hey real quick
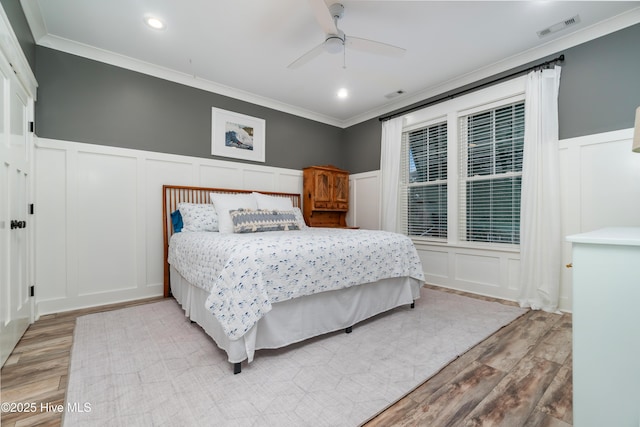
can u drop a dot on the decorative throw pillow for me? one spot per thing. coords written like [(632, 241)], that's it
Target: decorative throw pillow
[(225, 202), (273, 203), (253, 221), (198, 217), (276, 203), (176, 220)]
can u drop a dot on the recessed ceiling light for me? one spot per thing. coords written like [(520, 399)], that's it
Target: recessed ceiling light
[(153, 22), (343, 93)]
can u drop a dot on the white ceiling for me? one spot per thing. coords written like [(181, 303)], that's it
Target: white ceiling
[(242, 48)]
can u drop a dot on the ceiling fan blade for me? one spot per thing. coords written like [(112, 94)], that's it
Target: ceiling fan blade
[(371, 46), (307, 57), (323, 16)]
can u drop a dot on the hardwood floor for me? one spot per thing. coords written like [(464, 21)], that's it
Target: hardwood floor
[(520, 376)]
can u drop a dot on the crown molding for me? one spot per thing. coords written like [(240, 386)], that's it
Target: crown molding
[(595, 31), (14, 54), (40, 34), (32, 12), (122, 61)]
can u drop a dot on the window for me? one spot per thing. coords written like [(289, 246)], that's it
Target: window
[(424, 166), (461, 170), (491, 144)]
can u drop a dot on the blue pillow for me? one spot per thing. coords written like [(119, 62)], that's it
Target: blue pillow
[(176, 220)]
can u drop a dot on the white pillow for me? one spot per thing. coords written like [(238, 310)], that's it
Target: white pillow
[(300, 218), (230, 202), (273, 203), (198, 217)]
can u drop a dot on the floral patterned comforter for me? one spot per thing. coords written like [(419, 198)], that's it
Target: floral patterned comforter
[(246, 273)]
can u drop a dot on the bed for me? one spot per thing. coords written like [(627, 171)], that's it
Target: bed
[(253, 283)]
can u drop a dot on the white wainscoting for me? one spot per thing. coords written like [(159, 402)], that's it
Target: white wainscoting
[(364, 200), (600, 187), (98, 217), (99, 225), (600, 179)]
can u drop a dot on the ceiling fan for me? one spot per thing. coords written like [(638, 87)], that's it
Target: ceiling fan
[(336, 40)]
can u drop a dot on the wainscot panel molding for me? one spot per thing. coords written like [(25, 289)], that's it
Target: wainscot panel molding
[(364, 194), (98, 218), (600, 187), (490, 272), (99, 232)]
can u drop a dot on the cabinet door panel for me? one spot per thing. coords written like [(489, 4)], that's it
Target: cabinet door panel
[(323, 187), (341, 188)]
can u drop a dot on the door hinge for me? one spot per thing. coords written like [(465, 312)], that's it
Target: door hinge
[(32, 291), (30, 208), (32, 127)]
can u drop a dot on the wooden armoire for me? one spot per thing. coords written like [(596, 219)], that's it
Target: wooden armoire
[(325, 196)]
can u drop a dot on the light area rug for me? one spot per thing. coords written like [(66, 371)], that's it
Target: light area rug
[(150, 366)]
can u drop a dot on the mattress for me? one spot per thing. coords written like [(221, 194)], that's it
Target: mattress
[(245, 275)]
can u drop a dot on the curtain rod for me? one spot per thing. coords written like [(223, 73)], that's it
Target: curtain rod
[(471, 89)]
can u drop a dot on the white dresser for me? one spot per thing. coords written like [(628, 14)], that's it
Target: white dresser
[(606, 327)]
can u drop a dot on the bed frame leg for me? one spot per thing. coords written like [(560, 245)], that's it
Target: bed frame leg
[(349, 330), (413, 304), (237, 368)]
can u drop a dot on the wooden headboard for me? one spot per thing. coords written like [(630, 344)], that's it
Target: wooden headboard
[(174, 194)]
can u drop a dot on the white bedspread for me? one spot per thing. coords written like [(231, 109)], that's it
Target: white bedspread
[(246, 273)]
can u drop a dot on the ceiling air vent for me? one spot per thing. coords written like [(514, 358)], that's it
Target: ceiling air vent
[(394, 94), (559, 26)]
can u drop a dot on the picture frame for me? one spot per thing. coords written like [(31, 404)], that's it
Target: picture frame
[(237, 135)]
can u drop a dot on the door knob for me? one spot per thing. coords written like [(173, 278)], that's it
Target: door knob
[(18, 224)]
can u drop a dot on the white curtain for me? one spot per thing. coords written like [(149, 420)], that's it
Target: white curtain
[(390, 172), (540, 222)]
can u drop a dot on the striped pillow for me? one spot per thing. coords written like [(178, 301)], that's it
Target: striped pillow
[(253, 221)]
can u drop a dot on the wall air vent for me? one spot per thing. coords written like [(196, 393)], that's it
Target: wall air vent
[(559, 26), (394, 94)]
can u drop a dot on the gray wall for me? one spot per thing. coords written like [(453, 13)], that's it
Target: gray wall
[(599, 92), (600, 84), (92, 102), (363, 143), (87, 101)]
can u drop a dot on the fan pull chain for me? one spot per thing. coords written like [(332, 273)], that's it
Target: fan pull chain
[(344, 56)]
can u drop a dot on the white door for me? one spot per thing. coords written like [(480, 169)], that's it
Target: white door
[(16, 228)]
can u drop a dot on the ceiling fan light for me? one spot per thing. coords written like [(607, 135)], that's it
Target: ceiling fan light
[(333, 44)]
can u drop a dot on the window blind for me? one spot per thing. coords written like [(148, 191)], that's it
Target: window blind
[(491, 174), (424, 182)]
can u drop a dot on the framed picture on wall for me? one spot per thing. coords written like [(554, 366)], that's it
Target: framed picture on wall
[(237, 135)]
